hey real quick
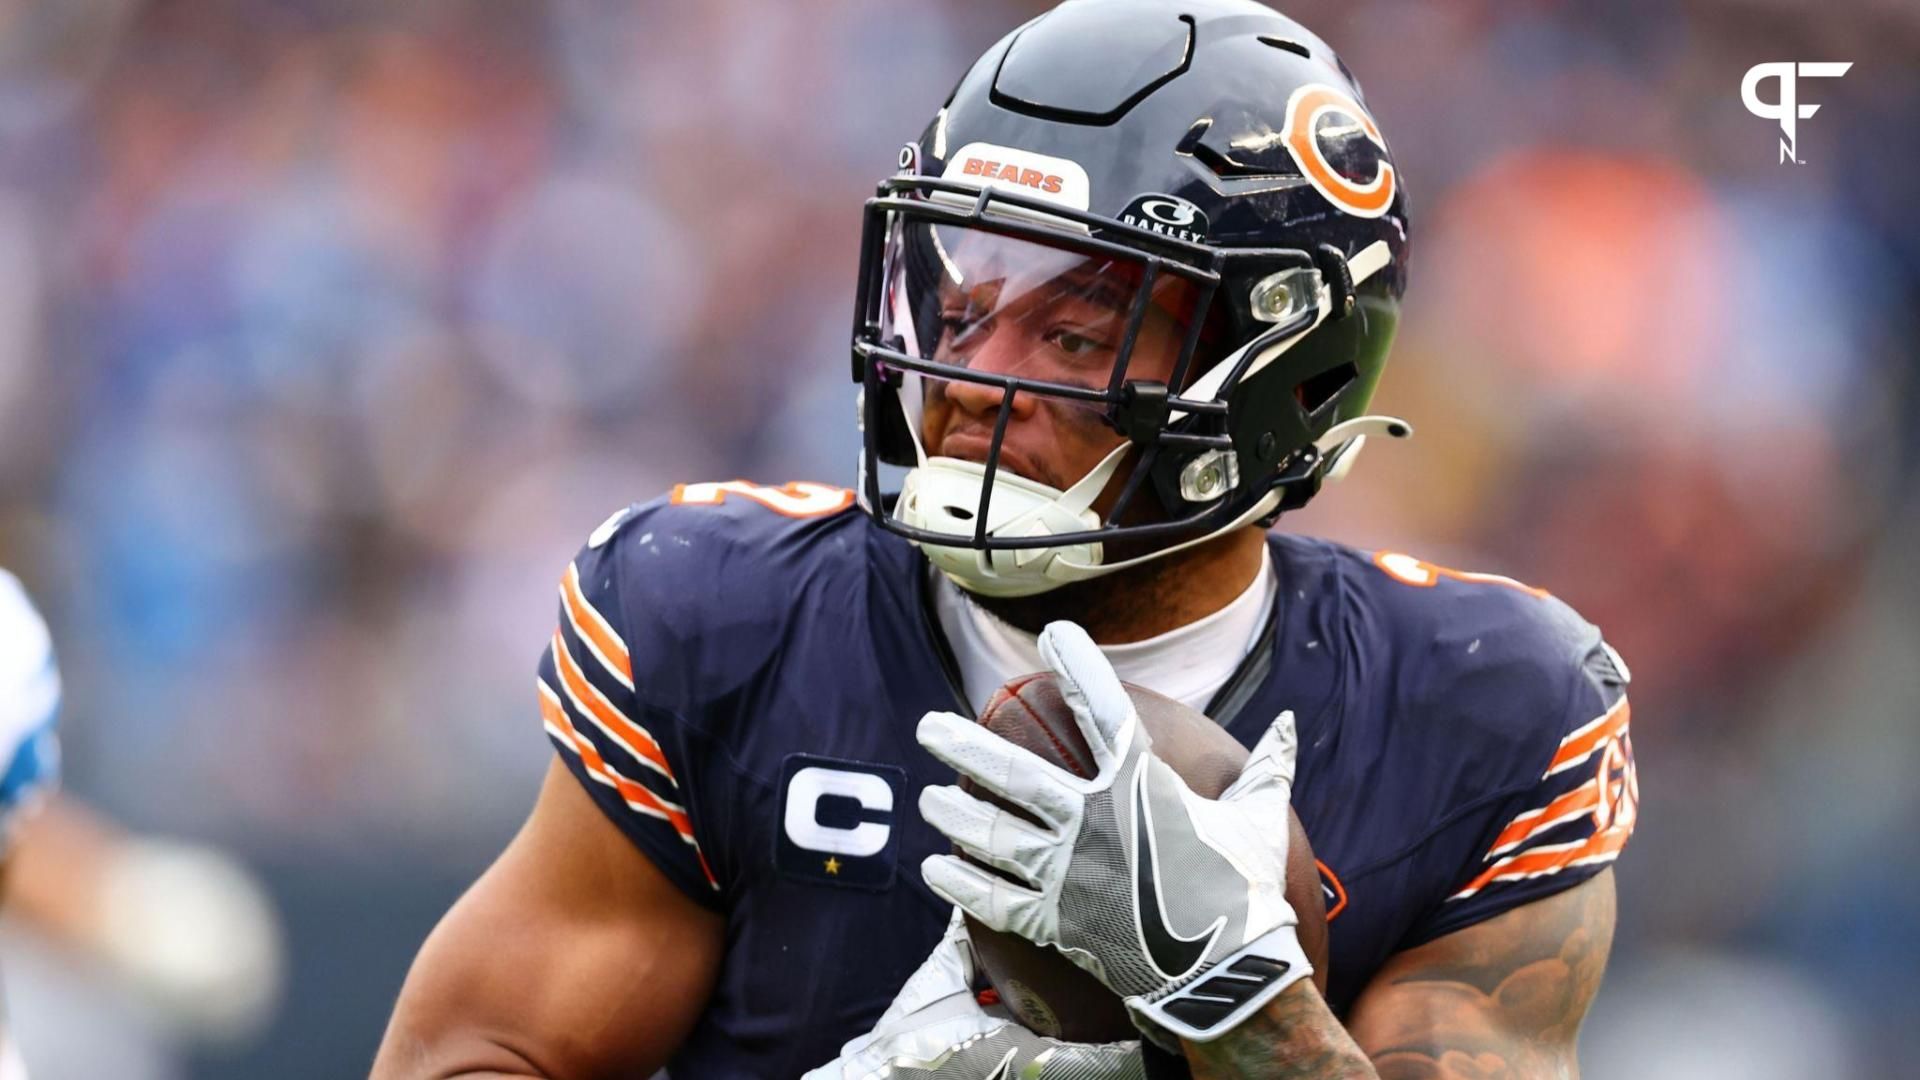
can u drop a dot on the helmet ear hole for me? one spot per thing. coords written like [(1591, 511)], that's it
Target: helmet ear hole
[(1319, 390)]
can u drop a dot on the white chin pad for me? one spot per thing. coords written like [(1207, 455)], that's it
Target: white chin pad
[(943, 496)]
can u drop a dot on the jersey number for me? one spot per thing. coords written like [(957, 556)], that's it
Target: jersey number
[(1420, 573), (1619, 783), (799, 499)]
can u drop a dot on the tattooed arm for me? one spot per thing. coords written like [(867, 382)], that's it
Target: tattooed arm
[(1501, 1000)]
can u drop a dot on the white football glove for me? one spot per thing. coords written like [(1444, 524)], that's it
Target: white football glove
[(1175, 902), (936, 1029)]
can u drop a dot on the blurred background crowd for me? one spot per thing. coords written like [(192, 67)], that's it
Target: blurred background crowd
[(329, 329)]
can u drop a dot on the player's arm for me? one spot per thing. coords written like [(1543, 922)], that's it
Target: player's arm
[(1501, 998), (572, 956)]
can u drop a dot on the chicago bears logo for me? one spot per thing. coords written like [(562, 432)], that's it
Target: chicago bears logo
[(1339, 150), (836, 821)]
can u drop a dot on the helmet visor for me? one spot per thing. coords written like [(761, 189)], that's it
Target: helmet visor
[(987, 307)]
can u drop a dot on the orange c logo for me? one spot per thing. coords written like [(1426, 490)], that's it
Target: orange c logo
[(1302, 140)]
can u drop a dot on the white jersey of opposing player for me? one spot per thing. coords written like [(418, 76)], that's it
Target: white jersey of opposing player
[(29, 702)]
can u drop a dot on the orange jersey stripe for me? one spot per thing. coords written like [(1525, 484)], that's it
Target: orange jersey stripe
[(1574, 803), (594, 629), (1577, 746), (588, 697), (630, 790), (635, 794), (1339, 890), (1549, 860)]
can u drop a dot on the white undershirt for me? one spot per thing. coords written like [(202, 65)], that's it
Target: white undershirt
[(1189, 663)]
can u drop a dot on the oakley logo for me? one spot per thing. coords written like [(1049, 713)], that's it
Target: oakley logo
[(1170, 211), (1168, 215), (1786, 109), (1173, 953)]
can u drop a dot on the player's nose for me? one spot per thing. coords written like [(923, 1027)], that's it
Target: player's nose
[(999, 354), (980, 399)]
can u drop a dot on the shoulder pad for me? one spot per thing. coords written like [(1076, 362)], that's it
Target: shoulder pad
[(709, 578), (1483, 674)]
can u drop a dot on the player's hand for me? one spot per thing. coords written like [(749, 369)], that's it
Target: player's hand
[(1175, 902), (936, 1029)]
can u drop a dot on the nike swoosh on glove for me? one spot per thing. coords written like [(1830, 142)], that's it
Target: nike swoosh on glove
[(1175, 902), (936, 1029)]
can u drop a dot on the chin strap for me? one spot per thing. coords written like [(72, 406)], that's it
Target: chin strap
[(1015, 573), (1342, 443), (1063, 570), (943, 495)]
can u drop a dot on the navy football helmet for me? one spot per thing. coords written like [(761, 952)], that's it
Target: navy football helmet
[(1199, 183)]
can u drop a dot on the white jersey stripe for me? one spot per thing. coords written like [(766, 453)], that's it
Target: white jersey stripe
[(586, 709), (634, 794), (572, 709), (569, 591), (1544, 826), (565, 738), (1522, 875)]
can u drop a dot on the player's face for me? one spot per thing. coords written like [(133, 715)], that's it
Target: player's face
[(1015, 307)]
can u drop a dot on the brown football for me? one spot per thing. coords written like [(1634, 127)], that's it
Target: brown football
[(1042, 988)]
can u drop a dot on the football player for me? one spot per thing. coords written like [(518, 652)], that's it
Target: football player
[(29, 749), (1124, 303), (136, 909)]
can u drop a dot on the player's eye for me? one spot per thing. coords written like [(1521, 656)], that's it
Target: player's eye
[(962, 332), (1076, 345)]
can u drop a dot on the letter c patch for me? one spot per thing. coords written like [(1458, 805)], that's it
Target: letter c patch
[(837, 821)]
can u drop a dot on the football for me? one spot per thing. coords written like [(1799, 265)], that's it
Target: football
[(1039, 986)]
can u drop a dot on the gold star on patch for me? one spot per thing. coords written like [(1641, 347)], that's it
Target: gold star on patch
[(833, 865)]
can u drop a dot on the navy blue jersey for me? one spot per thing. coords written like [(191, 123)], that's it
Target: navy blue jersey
[(738, 671)]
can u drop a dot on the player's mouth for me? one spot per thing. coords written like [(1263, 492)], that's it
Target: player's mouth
[(972, 446)]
